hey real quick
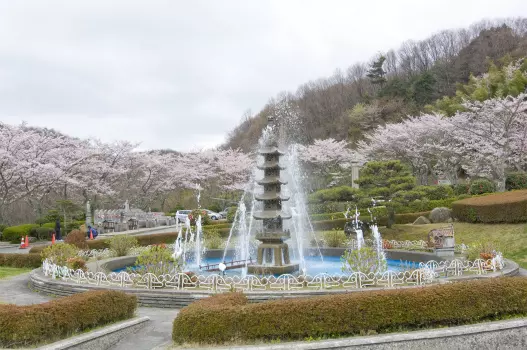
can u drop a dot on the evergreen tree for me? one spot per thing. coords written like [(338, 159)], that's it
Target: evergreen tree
[(385, 178), (376, 73)]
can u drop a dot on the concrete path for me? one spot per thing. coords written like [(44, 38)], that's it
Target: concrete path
[(157, 332), (522, 272), (15, 290)]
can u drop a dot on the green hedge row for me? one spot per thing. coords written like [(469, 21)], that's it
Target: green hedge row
[(230, 317), (216, 223), (13, 234), (506, 207), (20, 260), (401, 219), (58, 319)]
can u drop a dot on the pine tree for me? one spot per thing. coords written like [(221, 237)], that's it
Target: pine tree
[(376, 73)]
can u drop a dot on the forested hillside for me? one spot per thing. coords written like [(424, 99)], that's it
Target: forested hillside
[(394, 84)]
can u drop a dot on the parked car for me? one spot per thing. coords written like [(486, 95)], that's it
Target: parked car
[(223, 213), (181, 215), (214, 215)]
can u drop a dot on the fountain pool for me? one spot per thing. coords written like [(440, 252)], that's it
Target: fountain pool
[(330, 265)]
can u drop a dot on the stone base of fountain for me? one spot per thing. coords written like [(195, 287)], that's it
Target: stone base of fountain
[(272, 269)]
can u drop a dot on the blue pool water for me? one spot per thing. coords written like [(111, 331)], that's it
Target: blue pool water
[(331, 265)]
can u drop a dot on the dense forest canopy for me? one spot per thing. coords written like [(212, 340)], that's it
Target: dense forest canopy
[(395, 84)]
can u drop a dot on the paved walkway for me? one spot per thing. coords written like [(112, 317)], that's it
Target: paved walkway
[(15, 290)]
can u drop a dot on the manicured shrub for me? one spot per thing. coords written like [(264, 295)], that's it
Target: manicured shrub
[(159, 238), (98, 243), (231, 213), (482, 186), (506, 207), (70, 225), (157, 260), (60, 253), (205, 220), (77, 238), (76, 263), (328, 207), (334, 239), (33, 324), (334, 194), (20, 260), (15, 233), (461, 189), (221, 319), (121, 244), (411, 195), (436, 192), (218, 223), (514, 181), (42, 233), (327, 216), (363, 260), (213, 240), (328, 225), (440, 214), (408, 218)]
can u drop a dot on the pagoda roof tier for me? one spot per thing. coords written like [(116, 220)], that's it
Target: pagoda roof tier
[(271, 214), (270, 150), (271, 196), (270, 165), (271, 180), (272, 236)]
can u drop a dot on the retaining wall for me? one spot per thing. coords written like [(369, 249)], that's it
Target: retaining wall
[(510, 334)]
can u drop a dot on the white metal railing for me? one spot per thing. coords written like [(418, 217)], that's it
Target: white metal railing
[(425, 274)]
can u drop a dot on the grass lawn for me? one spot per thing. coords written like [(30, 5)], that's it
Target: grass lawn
[(511, 239), (12, 271)]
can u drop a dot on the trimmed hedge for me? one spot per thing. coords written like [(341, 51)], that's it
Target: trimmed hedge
[(15, 233), (408, 218), (229, 317), (334, 194), (21, 260), (482, 186), (215, 223), (58, 319), (506, 207), (516, 181)]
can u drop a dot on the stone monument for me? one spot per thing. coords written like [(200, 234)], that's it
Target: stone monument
[(442, 240), (273, 252)]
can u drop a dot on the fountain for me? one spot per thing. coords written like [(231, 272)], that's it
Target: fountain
[(273, 252)]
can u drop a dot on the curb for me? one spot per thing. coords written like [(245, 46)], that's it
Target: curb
[(510, 334), (103, 339)]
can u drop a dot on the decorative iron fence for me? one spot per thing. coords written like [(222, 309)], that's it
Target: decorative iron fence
[(426, 274)]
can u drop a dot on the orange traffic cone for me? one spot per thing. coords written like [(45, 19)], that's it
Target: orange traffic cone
[(91, 234), (27, 242), (52, 239), (22, 244)]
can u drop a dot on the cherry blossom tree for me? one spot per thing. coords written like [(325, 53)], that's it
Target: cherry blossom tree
[(33, 161), (328, 154), (493, 133), (486, 139)]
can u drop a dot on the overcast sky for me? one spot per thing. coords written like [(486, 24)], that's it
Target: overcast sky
[(180, 74)]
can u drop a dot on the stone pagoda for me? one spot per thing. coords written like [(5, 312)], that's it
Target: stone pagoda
[(273, 252)]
